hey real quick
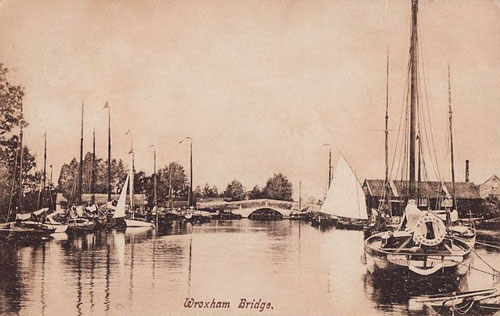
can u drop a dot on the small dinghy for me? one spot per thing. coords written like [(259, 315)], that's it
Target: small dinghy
[(479, 302)]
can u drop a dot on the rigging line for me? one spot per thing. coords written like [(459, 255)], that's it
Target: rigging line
[(421, 44), (488, 245), (403, 106), (497, 271), (422, 122), (399, 135)]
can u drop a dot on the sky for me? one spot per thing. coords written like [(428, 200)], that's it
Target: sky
[(260, 85)]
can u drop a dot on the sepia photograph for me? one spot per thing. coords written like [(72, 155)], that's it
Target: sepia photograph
[(249, 157)]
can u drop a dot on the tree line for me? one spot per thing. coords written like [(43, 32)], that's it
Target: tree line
[(172, 183)]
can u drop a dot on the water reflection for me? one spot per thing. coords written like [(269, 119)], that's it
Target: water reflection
[(298, 268)]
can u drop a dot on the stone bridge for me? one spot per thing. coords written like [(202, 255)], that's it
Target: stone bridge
[(247, 207), (246, 211)]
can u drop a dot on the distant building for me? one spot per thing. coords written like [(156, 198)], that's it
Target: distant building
[(432, 194), (490, 188)]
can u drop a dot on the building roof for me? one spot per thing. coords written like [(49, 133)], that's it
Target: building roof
[(491, 178), (430, 189)]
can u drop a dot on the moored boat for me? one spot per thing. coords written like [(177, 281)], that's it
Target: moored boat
[(420, 245), (345, 200)]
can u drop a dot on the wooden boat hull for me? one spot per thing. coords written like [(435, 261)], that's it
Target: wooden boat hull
[(59, 228), (13, 232), (351, 224), (422, 264), (81, 227)]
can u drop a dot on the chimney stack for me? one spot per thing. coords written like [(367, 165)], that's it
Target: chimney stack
[(467, 170)]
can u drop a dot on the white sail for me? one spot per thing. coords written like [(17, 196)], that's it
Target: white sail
[(345, 198), (120, 207)]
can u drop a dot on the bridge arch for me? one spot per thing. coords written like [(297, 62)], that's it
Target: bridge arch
[(247, 211), (266, 211)]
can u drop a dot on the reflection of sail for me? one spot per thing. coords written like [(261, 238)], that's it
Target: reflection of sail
[(345, 197), (119, 241)]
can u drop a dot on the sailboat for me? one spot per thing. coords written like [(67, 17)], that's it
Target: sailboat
[(345, 199), (16, 231), (120, 215), (422, 244)]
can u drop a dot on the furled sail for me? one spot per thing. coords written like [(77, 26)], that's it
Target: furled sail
[(120, 207), (345, 198)]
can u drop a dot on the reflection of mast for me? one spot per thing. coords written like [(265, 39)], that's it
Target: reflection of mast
[(92, 267), (189, 269), (131, 287), (108, 275), (42, 295), (79, 284)]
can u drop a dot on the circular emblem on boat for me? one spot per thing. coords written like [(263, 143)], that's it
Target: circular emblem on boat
[(429, 230)]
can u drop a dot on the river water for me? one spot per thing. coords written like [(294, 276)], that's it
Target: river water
[(291, 267)]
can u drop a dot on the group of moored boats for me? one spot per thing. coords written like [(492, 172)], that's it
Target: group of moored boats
[(41, 224), (422, 243)]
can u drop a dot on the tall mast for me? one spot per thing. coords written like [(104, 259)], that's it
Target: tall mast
[(329, 167), (451, 140), (21, 152), (44, 161), (131, 172), (109, 150), (191, 173), (413, 93), (92, 170), (387, 123), (43, 178), (155, 201), (80, 167), (388, 204)]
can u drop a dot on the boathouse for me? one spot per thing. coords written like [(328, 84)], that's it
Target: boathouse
[(490, 188), (432, 194)]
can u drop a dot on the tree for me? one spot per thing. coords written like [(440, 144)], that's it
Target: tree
[(197, 193), (235, 191), (210, 192), (278, 188), (172, 175), (11, 103), (256, 193), (68, 177)]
